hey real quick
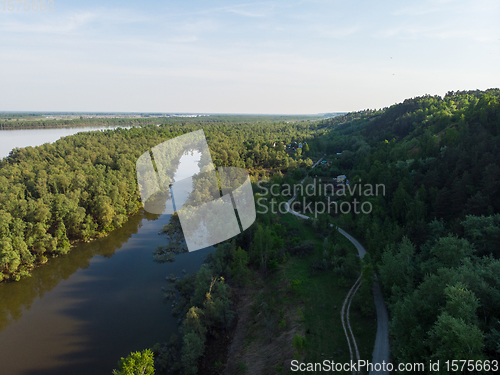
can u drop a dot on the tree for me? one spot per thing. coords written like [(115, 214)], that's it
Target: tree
[(194, 322), (397, 269), (9, 258), (239, 267), (192, 349), (62, 239), (137, 363), (453, 338), (484, 232), (262, 245), (451, 250)]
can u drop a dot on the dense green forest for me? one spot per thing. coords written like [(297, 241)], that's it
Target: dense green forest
[(84, 186), (435, 234)]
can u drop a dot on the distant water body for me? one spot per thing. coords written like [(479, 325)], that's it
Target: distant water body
[(10, 139), (79, 313)]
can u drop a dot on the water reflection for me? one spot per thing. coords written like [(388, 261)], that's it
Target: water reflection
[(81, 312), (19, 296)]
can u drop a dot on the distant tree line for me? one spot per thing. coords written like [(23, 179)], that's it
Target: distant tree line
[(26, 121)]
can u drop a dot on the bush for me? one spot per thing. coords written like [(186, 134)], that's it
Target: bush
[(242, 367), (192, 349), (295, 285), (282, 324), (298, 342), (304, 249), (272, 265), (318, 266), (137, 363)]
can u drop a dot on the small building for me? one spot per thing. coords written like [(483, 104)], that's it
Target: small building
[(341, 178)]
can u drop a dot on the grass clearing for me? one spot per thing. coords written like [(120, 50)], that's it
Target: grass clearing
[(292, 301), (322, 296)]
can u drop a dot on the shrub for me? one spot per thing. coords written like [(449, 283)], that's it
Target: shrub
[(136, 363), (304, 249), (242, 367), (319, 265), (295, 285), (272, 265), (298, 342)]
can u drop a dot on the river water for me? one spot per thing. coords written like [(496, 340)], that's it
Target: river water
[(36, 137), (79, 313)]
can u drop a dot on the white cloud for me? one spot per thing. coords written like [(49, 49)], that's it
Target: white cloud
[(444, 32), (415, 11), (252, 10), (336, 33), (60, 25)]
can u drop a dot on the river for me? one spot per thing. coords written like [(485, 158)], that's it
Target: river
[(36, 137), (81, 312)]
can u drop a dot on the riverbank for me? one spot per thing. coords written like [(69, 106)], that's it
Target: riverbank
[(26, 271), (69, 316)]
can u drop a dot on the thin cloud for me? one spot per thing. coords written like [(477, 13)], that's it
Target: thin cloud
[(415, 11), (441, 33), (72, 22), (337, 33), (68, 24), (199, 26), (183, 39), (256, 10)]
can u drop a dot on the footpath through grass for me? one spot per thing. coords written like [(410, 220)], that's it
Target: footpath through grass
[(294, 312), (321, 297)]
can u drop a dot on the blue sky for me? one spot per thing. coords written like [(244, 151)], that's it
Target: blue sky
[(244, 57)]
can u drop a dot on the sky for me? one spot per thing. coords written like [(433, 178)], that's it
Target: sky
[(276, 57)]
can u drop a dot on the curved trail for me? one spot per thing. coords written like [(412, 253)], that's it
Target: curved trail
[(345, 316), (349, 321), (381, 350)]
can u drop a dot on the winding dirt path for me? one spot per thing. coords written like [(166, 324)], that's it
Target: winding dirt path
[(381, 350), (345, 317), (349, 321)]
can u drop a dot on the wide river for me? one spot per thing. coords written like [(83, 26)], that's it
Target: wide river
[(79, 313), (36, 137)]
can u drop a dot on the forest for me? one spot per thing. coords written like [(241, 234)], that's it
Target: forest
[(433, 237), (83, 186)]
